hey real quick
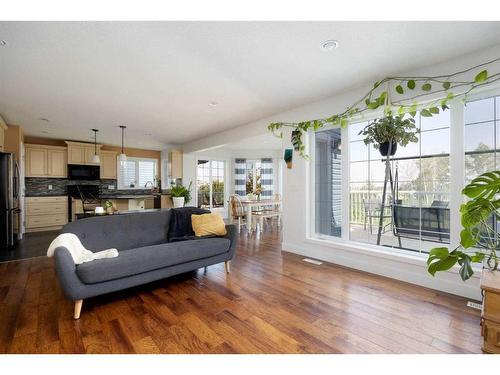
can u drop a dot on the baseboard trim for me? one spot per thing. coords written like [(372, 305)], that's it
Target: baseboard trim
[(395, 267)]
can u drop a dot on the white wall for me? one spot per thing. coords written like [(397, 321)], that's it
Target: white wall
[(406, 267)]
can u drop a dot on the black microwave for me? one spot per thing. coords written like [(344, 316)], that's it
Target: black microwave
[(83, 172)]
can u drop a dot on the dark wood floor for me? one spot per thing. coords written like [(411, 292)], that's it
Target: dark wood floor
[(269, 303), (31, 246)]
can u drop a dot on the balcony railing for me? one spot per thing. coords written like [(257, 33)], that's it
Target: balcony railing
[(360, 198), (204, 199)]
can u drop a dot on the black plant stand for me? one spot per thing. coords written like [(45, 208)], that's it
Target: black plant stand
[(388, 178)]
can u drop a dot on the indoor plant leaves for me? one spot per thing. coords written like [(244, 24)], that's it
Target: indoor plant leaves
[(485, 186)]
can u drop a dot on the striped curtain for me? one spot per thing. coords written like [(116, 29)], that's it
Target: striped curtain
[(266, 177), (240, 176)]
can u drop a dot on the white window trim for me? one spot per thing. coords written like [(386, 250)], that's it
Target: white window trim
[(457, 178), (226, 177), (135, 159)]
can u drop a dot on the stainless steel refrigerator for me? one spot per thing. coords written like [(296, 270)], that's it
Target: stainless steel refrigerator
[(9, 201)]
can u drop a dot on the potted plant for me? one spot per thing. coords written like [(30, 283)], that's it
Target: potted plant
[(180, 195), (390, 131), (479, 239), (109, 207)]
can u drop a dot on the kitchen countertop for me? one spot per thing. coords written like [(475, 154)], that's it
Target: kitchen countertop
[(109, 195), (81, 216), (124, 196)]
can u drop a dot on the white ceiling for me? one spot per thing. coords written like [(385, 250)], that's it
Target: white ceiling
[(158, 78)]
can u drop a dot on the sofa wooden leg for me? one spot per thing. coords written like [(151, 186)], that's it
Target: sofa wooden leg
[(226, 265), (78, 308)]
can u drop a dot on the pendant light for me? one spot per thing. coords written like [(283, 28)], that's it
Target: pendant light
[(123, 157), (95, 159)]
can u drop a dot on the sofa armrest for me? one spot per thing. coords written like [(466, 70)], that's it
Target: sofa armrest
[(232, 235), (66, 272)]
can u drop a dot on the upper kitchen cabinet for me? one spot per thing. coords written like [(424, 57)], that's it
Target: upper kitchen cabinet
[(108, 164), (175, 164), (45, 161), (81, 153), (57, 164)]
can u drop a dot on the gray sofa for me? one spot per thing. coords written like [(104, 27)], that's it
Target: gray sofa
[(145, 254)]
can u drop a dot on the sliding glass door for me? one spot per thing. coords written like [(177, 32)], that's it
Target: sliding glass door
[(210, 184)]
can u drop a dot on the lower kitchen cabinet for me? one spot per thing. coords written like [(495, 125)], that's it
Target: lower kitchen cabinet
[(46, 213)]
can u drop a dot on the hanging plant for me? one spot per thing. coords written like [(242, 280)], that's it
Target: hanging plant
[(296, 140), (399, 96), (392, 130)]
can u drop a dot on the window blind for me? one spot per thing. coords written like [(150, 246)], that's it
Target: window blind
[(135, 173)]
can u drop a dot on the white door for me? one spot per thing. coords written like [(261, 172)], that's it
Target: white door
[(210, 185)]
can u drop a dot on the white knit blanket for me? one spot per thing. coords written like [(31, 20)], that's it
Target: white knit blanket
[(78, 252)]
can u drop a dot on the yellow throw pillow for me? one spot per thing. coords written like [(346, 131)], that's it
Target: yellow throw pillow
[(208, 224)]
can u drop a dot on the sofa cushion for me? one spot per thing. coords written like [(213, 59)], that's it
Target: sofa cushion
[(144, 259), (123, 232), (180, 227), (208, 225)]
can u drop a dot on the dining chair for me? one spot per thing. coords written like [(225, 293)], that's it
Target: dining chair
[(272, 212), (237, 211)]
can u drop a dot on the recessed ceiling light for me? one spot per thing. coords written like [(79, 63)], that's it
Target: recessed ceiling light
[(213, 103), (329, 45), (3, 43)]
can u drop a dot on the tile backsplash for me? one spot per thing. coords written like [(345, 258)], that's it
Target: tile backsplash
[(39, 186)]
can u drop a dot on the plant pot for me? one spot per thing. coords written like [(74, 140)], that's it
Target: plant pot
[(384, 148), (110, 210), (178, 202)]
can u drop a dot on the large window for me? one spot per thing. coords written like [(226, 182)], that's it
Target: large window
[(328, 182), (482, 137), (135, 173), (210, 183), (482, 140), (414, 213), (417, 216)]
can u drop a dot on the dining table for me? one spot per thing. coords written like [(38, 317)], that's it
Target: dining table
[(251, 204)]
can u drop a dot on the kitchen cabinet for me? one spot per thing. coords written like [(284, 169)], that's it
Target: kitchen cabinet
[(175, 164), (57, 162), (3, 129), (166, 201), (76, 153), (108, 164), (46, 213), (45, 161), (82, 153)]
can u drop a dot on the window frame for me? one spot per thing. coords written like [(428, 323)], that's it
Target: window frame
[(120, 181), (210, 182), (457, 179)]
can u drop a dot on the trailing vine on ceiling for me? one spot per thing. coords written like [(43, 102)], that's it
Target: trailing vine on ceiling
[(428, 95)]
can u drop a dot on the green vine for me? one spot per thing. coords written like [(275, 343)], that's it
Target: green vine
[(398, 95)]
